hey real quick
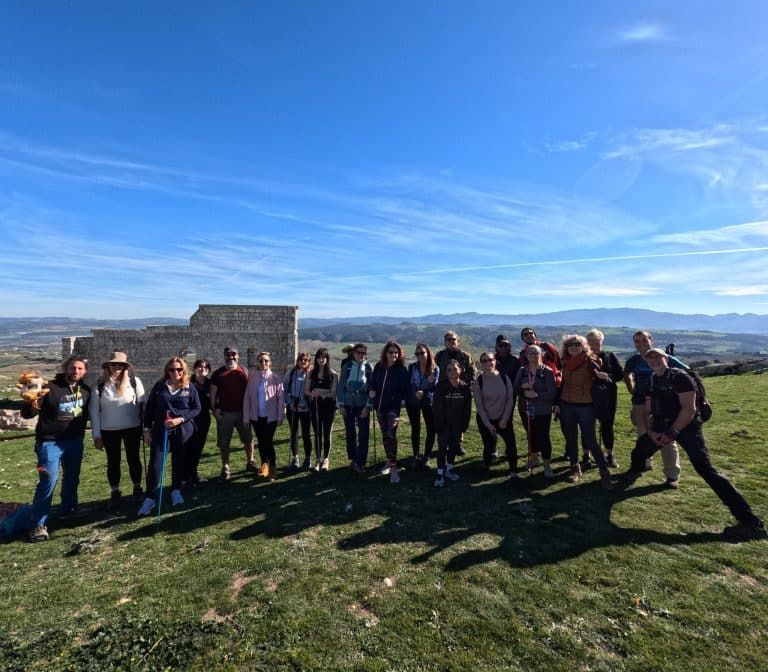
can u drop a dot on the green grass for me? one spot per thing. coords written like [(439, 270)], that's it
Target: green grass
[(328, 572)]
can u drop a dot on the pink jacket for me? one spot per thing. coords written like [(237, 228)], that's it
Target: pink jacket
[(274, 395)]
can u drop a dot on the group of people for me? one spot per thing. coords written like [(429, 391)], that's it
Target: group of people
[(575, 384)]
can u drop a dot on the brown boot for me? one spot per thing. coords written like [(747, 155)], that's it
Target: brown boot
[(575, 474)]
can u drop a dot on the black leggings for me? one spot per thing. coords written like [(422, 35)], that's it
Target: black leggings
[(265, 437), (299, 420), (490, 441), (131, 438), (195, 447), (414, 417), (323, 412)]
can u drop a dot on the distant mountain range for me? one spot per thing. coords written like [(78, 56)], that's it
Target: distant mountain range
[(47, 331), (748, 323)]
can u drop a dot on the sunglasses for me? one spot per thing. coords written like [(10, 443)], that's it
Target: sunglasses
[(361, 352), (420, 353), (117, 366), (263, 361), (176, 370)]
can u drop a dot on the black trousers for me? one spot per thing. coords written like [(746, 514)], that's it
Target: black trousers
[(490, 441), (415, 414), (299, 420), (691, 439), (195, 446), (323, 411), (264, 431), (113, 440)]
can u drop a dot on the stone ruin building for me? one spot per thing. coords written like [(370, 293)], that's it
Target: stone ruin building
[(250, 329)]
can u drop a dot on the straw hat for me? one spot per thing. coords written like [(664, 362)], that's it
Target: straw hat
[(116, 358)]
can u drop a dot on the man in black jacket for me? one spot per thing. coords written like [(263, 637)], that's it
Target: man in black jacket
[(63, 415), (671, 413)]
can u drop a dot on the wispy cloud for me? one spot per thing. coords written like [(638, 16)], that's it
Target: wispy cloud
[(738, 235), (643, 32), (743, 290)]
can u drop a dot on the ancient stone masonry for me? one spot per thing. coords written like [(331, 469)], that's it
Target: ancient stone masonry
[(251, 329)]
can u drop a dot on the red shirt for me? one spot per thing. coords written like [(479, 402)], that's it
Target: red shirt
[(230, 384)]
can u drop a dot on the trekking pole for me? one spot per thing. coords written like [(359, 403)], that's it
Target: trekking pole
[(162, 472), (528, 409), (375, 452), (317, 432)]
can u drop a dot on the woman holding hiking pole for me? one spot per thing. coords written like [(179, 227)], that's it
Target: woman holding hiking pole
[(536, 389), (297, 410), (169, 423), (321, 389)]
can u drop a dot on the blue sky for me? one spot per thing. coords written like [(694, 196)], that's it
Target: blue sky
[(383, 158)]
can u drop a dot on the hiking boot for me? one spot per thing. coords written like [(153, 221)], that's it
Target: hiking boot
[(325, 465), (272, 472), (575, 474), (605, 479), (384, 471), (630, 475), (416, 462), (610, 460), (251, 466), (461, 451), (394, 478), (138, 494), (357, 468), (426, 464), (263, 470), (586, 463), (741, 531), (451, 474), (176, 498), (306, 465), (535, 461), (293, 467), (548, 473), (495, 457), (648, 464), (673, 483), (439, 481), (226, 475), (114, 500), (40, 533), (146, 507)]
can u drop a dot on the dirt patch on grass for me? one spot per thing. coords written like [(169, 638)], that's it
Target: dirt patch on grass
[(364, 614), (213, 616), (271, 585), (731, 574), (238, 583)]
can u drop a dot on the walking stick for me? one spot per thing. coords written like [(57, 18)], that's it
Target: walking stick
[(317, 432), (375, 452), (528, 408), (162, 472)]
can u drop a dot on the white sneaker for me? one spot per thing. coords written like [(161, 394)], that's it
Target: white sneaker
[(146, 506), (176, 498), (393, 475), (451, 474), (324, 466), (384, 471)]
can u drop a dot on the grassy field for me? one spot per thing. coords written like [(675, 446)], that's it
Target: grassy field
[(331, 572)]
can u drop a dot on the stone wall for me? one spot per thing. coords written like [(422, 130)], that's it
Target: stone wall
[(251, 329)]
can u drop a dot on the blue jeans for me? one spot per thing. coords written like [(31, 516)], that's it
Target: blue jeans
[(64, 453), (357, 429), (575, 417)]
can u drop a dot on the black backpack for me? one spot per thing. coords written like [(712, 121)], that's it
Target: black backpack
[(702, 402)]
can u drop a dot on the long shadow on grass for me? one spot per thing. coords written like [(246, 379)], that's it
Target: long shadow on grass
[(538, 522)]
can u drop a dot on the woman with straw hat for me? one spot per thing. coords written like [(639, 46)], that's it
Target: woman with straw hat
[(116, 408)]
